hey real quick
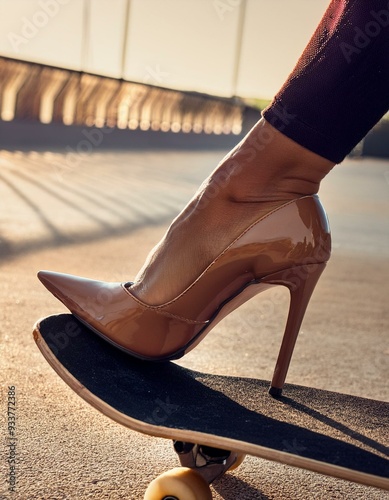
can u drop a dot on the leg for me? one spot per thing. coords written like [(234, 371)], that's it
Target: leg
[(320, 109), (264, 171), (241, 233), (339, 87)]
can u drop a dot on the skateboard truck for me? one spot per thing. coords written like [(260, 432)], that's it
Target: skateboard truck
[(210, 462), (200, 466)]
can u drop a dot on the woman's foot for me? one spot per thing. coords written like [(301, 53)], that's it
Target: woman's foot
[(289, 246), (253, 224), (265, 170)]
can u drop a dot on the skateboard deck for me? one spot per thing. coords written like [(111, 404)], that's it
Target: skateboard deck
[(330, 433)]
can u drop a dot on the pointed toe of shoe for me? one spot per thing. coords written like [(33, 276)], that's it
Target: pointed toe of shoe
[(73, 291), (110, 310), (94, 302), (50, 280)]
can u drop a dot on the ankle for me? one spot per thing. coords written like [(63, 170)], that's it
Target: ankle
[(267, 166)]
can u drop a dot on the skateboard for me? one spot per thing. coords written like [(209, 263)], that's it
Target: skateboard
[(215, 420)]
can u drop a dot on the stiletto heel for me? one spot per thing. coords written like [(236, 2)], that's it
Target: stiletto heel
[(301, 282), (289, 246)]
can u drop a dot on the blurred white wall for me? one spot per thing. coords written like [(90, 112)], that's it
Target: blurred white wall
[(46, 31), (184, 44), (105, 36), (193, 51)]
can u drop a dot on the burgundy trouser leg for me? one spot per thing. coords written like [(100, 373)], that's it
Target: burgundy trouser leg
[(339, 88)]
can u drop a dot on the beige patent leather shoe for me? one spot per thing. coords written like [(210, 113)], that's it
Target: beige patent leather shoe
[(289, 246)]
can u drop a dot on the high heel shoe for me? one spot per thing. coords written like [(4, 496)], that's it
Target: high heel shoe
[(289, 246)]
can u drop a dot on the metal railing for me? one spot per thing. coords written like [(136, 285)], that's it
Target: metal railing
[(30, 91)]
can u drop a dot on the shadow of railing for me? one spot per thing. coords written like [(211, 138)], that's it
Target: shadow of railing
[(50, 202)]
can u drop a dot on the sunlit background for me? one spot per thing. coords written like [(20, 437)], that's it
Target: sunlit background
[(222, 47), (112, 113)]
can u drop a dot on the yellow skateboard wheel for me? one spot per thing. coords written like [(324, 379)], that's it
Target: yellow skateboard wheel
[(238, 461), (180, 483)]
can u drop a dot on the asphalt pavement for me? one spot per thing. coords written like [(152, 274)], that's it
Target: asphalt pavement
[(97, 215)]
